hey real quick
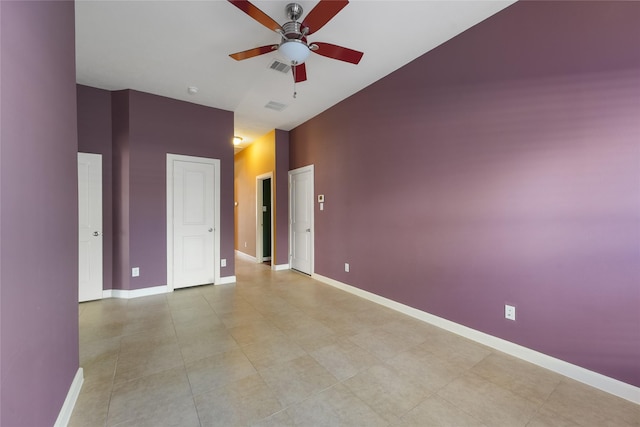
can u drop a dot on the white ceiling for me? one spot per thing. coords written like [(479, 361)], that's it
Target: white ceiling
[(162, 47)]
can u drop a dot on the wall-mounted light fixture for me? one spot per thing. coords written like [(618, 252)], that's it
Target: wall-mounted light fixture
[(237, 140)]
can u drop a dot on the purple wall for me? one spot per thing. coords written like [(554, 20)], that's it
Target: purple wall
[(38, 211), (501, 167), (153, 127), (120, 173), (282, 197), (94, 136)]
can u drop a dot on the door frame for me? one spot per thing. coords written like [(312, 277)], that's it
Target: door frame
[(259, 225), (216, 213), (309, 168)]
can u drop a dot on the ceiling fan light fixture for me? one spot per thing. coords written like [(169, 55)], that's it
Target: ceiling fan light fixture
[(237, 140), (296, 51)]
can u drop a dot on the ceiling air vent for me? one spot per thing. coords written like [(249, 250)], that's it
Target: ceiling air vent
[(280, 66), (275, 106)]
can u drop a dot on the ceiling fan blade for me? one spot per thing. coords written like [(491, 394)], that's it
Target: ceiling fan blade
[(239, 56), (253, 11), (338, 52), (322, 13), (299, 73)]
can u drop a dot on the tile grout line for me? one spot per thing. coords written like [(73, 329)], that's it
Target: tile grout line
[(113, 376), (184, 363)]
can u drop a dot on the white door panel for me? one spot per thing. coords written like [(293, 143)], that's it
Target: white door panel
[(193, 211), (301, 219), (193, 222), (89, 226)]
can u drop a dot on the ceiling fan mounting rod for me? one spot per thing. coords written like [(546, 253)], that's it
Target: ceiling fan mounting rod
[(294, 11)]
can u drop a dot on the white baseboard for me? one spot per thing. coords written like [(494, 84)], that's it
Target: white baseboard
[(274, 267), (594, 379), (226, 280), (135, 293), (155, 290), (246, 256), (70, 401)]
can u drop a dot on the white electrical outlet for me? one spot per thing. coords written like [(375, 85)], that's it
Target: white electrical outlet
[(223, 262), (509, 312), (135, 272), (346, 267)]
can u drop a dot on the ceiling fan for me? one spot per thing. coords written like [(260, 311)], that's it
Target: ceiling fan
[(293, 44)]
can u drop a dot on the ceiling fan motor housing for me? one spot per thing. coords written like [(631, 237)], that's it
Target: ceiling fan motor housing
[(294, 30)]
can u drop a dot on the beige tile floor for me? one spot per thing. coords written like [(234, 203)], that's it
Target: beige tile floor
[(280, 349)]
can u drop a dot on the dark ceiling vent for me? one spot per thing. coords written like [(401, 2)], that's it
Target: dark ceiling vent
[(275, 106), (280, 66)]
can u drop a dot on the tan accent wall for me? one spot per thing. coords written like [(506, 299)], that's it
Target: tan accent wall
[(257, 159)]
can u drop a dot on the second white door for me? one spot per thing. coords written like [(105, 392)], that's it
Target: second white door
[(89, 226), (301, 219), (193, 235)]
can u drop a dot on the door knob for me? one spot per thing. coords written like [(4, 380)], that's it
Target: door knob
[(210, 230), (308, 230), (96, 233)]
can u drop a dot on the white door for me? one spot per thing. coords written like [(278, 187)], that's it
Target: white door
[(301, 219), (193, 227), (89, 226)]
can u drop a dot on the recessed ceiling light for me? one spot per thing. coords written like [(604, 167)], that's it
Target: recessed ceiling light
[(192, 90)]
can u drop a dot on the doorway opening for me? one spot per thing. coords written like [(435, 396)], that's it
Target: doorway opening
[(264, 218)]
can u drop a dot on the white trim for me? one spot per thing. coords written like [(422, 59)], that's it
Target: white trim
[(226, 280), (247, 257), (136, 293), (64, 416), (278, 267), (594, 379), (259, 204), (216, 213)]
